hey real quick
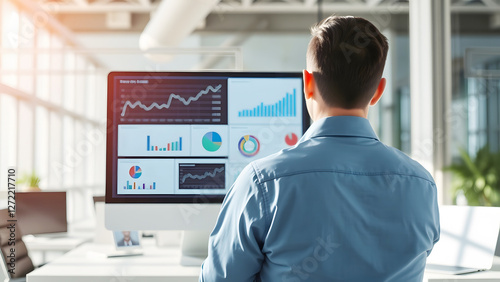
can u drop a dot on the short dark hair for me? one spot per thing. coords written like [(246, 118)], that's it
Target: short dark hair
[(349, 54)]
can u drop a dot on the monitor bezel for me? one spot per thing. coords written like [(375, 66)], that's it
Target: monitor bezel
[(111, 146)]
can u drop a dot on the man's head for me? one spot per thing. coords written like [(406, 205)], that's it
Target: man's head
[(126, 235), (345, 61)]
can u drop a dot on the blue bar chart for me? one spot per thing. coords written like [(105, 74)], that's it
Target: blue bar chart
[(154, 140), (260, 101), (286, 107), (171, 146)]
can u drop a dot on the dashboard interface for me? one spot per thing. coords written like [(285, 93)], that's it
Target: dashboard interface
[(179, 137)]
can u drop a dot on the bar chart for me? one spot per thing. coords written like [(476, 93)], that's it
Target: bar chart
[(154, 140), (254, 101), (286, 107), (145, 176), (170, 146), (136, 186)]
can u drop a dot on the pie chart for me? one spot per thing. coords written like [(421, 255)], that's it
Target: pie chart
[(211, 141), (135, 171), (291, 139)]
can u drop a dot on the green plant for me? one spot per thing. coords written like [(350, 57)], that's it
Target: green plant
[(478, 177), (31, 180)]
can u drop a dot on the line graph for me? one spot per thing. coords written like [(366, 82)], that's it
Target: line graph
[(173, 100), (169, 102), (202, 176), (205, 175)]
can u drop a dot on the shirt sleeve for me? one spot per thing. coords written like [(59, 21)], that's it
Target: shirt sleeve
[(235, 245), (435, 219)]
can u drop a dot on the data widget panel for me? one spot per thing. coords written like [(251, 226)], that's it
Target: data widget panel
[(248, 143), (201, 176), (145, 176), (209, 140), (173, 100), (154, 140), (263, 100)]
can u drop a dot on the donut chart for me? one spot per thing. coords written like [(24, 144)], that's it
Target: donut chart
[(249, 145)]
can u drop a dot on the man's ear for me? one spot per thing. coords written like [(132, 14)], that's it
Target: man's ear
[(378, 93), (309, 84)]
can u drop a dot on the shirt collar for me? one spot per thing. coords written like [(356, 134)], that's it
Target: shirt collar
[(340, 126)]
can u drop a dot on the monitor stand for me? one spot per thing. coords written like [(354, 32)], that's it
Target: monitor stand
[(194, 247)]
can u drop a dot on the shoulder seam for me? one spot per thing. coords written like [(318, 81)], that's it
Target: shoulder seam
[(345, 172), (264, 194)]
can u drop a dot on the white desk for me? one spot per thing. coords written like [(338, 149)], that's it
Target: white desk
[(58, 243), (492, 275), (49, 243), (89, 263)]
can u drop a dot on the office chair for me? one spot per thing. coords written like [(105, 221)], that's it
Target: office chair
[(4, 273), (23, 264)]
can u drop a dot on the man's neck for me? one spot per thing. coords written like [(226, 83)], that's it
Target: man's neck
[(331, 112)]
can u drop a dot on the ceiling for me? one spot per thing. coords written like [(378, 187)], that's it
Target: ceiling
[(237, 15)]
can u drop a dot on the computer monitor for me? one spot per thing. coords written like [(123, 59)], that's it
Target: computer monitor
[(41, 212), (176, 141)]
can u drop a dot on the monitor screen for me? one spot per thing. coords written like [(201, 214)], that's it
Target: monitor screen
[(179, 137), (41, 212)]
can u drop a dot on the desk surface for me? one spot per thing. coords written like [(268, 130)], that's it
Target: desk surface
[(90, 263), (491, 275), (77, 234), (47, 243)]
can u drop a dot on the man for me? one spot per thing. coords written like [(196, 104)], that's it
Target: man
[(340, 205), (127, 240)]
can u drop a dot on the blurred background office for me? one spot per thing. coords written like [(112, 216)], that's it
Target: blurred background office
[(441, 106)]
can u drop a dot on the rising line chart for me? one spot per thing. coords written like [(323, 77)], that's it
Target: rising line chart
[(172, 96), (205, 175)]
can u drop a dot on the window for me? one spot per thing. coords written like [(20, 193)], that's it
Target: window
[(48, 117), (475, 88)]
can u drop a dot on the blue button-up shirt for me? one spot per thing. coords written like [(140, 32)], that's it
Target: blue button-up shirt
[(338, 206)]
